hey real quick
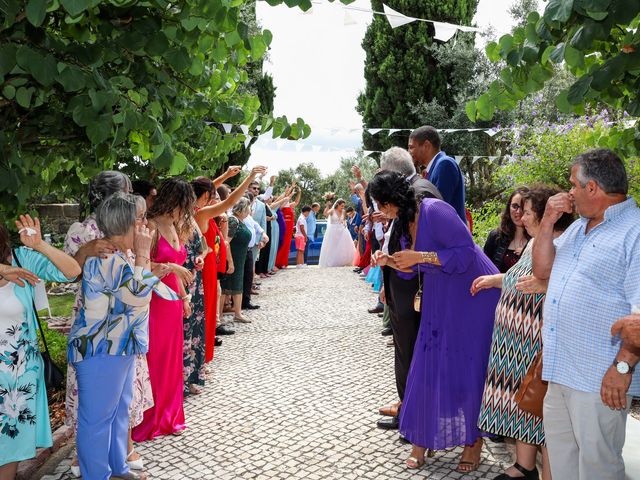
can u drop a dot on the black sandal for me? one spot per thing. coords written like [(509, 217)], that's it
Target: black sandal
[(528, 474)]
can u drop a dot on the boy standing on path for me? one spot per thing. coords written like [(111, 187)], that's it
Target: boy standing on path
[(301, 235)]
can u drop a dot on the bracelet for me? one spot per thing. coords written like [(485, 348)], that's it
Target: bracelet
[(187, 297), (144, 258), (429, 257)]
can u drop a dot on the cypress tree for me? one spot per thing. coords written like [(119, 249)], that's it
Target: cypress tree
[(401, 70)]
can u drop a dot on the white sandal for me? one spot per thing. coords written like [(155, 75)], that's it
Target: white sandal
[(135, 464)]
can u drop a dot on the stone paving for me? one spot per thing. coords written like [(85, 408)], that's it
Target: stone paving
[(295, 395)]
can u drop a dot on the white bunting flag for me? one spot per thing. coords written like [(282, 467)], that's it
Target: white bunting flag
[(459, 158), (373, 131), (444, 31), (227, 127), (396, 19), (247, 141), (245, 129), (492, 132)]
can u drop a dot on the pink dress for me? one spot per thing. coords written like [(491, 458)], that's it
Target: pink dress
[(165, 357)]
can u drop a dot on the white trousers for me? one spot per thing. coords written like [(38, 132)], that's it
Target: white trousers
[(584, 436)]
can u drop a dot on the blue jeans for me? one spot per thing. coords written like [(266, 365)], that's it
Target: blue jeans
[(105, 390)]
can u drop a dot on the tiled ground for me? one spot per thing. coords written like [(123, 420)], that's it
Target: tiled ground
[(295, 395)]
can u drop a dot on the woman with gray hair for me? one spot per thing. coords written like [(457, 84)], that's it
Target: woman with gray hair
[(239, 236), (84, 240), (107, 335)]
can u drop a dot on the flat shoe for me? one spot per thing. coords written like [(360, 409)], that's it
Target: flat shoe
[(388, 423), (241, 320), (137, 464)]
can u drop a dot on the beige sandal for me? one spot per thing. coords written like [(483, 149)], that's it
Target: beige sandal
[(241, 320), (413, 463)]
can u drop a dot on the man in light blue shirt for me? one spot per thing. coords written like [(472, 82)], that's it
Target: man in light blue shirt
[(312, 222), (594, 280)]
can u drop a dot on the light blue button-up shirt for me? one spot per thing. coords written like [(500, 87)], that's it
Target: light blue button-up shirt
[(595, 280), (312, 221)]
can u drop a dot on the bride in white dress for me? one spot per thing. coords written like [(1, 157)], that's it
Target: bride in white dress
[(337, 249)]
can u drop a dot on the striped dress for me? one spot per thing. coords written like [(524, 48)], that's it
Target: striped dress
[(516, 341)]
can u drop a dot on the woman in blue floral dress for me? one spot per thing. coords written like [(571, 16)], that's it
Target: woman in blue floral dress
[(24, 414)]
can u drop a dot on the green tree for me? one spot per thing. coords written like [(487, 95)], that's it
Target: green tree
[(401, 69), (136, 85), (597, 41)]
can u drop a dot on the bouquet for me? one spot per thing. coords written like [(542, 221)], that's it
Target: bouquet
[(329, 196)]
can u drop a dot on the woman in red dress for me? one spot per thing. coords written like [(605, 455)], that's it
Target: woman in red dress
[(282, 260), (208, 207)]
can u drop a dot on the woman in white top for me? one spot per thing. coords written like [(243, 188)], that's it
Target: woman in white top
[(337, 246)]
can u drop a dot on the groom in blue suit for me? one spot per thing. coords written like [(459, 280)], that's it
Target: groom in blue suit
[(439, 168)]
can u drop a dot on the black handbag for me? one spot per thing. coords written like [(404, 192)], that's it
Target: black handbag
[(53, 376)]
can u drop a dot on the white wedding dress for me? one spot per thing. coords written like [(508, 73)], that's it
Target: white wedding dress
[(337, 246)]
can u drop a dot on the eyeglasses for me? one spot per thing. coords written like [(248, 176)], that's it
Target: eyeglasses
[(142, 217), (516, 206)]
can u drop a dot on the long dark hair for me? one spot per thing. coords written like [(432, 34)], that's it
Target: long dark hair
[(507, 229), (5, 246), (174, 193), (389, 187)]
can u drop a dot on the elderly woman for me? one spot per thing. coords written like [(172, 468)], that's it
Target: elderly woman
[(24, 414), (109, 332), (239, 236), (517, 340), (84, 239), (505, 244), (446, 378)]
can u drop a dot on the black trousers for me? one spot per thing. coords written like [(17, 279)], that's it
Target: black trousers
[(247, 279), (405, 322), (262, 265)]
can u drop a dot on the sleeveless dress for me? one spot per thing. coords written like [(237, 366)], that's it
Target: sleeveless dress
[(516, 341), (213, 262), (165, 356), (240, 237), (282, 260), (275, 241), (194, 326), (337, 246)]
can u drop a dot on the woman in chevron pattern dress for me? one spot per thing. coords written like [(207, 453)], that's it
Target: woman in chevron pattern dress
[(516, 341)]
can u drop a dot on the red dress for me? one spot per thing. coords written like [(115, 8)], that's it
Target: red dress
[(282, 259), (213, 263)]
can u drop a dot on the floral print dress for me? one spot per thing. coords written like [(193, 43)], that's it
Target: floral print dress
[(194, 326), (80, 233), (24, 413)]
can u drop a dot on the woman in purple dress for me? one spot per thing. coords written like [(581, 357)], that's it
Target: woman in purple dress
[(448, 369)]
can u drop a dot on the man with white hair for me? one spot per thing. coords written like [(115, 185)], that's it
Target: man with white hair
[(400, 293)]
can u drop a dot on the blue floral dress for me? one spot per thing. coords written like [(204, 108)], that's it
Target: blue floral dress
[(194, 344), (24, 413)]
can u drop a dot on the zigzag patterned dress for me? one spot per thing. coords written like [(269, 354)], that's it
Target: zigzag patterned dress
[(516, 341)]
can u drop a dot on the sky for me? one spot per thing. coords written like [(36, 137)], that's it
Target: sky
[(317, 63)]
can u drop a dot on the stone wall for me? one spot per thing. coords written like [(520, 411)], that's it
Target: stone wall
[(56, 218)]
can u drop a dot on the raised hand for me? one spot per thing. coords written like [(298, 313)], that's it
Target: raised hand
[(232, 171), (142, 240), (29, 230), (557, 205), (357, 172), (258, 170)]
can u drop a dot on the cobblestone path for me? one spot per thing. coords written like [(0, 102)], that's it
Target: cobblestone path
[(295, 395)]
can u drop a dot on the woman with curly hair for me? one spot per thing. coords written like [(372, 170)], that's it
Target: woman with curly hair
[(171, 216), (446, 379)]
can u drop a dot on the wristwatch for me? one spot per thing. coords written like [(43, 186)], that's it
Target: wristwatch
[(622, 367)]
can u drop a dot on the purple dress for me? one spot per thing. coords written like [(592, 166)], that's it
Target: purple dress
[(446, 380)]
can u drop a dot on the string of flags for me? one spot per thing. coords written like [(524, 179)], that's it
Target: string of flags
[(443, 31)]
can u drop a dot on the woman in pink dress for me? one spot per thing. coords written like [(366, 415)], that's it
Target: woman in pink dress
[(171, 215)]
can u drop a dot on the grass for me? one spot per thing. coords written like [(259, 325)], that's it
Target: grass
[(61, 305)]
